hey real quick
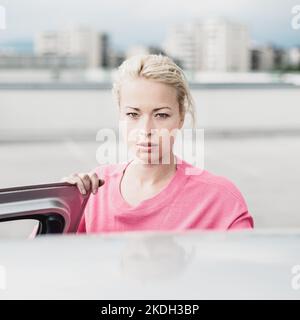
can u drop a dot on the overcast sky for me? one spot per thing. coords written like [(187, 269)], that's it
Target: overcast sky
[(145, 22)]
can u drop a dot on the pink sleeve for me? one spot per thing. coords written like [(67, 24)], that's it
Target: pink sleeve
[(244, 221), (239, 214)]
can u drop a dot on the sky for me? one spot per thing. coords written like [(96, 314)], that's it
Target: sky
[(132, 22)]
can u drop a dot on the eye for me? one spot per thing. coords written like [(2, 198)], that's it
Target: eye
[(132, 114), (163, 115)]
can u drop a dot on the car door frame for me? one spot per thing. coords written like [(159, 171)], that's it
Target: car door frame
[(58, 207)]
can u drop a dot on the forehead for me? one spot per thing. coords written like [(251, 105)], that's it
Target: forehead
[(147, 93)]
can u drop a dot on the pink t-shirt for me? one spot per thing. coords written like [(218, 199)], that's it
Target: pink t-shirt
[(193, 199)]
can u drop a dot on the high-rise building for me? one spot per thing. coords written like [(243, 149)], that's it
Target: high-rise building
[(215, 44), (224, 46), (268, 58), (262, 58), (81, 42), (294, 57), (142, 49), (181, 44)]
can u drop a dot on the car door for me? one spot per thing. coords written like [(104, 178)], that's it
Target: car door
[(41, 209)]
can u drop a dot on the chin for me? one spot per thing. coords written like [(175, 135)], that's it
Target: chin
[(154, 159), (147, 158)]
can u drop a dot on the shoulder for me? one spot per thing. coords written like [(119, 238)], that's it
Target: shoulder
[(222, 184), (108, 170), (218, 185), (220, 197)]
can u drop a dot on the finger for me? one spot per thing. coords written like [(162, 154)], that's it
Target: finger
[(79, 183), (86, 180), (95, 182)]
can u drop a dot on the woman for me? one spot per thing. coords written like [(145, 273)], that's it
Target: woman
[(147, 193)]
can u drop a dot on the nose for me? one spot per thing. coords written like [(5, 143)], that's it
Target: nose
[(146, 126)]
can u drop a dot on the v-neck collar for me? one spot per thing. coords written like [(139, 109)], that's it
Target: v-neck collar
[(153, 203)]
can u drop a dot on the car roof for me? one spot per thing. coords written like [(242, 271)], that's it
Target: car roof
[(255, 264)]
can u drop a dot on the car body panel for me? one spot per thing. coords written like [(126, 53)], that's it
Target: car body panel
[(197, 264)]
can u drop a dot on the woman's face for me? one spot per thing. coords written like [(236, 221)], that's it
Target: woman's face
[(150, 111)]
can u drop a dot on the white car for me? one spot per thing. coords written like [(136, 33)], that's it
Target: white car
[(254, 264)]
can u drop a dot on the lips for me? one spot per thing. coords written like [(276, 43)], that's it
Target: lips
[(147, 144)]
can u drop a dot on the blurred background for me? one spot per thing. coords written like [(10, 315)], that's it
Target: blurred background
[(242, 60)]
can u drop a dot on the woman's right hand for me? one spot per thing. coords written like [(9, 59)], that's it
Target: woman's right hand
[(85, 182)]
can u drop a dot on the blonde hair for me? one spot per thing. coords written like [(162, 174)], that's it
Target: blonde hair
[(159, 68)]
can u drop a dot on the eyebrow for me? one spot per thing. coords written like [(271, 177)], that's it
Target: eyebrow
[(156, 109)]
